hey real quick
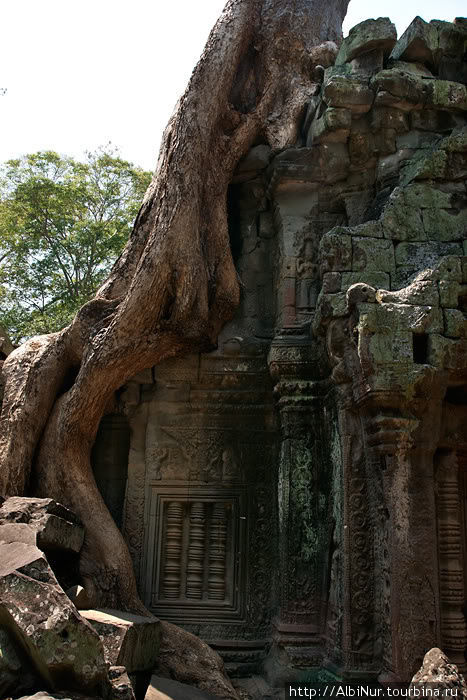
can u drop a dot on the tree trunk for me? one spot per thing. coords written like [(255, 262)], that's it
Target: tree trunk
[(175, 284)]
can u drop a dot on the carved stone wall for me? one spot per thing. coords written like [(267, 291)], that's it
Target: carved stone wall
[(298, 496)]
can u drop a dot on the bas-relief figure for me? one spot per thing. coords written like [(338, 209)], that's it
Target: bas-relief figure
[(297, 497)]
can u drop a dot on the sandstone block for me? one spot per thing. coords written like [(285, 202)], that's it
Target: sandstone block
[(424, 196), (401, 222), (332, 306), (42, 522), (129, 640), (257, 159), (366, 64), (378, 280), (372, 254), (455, 324), (168, 689), (433, 120), (424, 255), (418, 43), (389, 118), (417, 138), (445, 94), (418, 292), (452, 38), (367, 36), (62, 647), (448, 294), (401, 90), (120, 684), (449, 268), (437, 672), (350, 94), (402, 317), (13, 677), (332, 282), (334, 126), (445, 224)]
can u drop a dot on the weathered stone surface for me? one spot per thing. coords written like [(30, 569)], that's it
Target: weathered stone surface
[(129, 640), (187, 659), (335, 251), (14, 678), (327, 162), (62, 648), (44, 695), (418, 43), (256, 160), (372, 254), (350, 94), (444, 224), (401, 221), (334, 126), (399, 89), (389, 118), (120, 684), (447, 95), (422, 255), (367, 36), (167, 689), (40, 521), (437, 672)]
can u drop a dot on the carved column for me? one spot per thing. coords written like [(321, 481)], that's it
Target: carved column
[(451, 570), (406, 597), (303, 535), (173, 550), (195, 564)]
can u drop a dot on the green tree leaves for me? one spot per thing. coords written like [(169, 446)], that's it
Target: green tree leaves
[(62, 225)]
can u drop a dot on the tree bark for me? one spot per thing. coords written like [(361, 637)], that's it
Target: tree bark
[(175, 284)]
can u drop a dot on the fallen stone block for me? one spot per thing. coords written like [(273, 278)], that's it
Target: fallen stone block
[(129, 640), (61, 647), (13, 676), (42, 522), (437, 672), (168, 689), (120, 684)]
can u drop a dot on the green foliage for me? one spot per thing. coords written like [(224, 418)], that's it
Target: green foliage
[(62, 225)]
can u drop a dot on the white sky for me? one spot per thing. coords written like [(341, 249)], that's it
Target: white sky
[(80, 74)]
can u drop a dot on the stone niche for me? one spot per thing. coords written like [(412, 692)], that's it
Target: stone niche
[(298, 497)]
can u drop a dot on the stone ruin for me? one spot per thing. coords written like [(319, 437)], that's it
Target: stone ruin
[(298, 498)]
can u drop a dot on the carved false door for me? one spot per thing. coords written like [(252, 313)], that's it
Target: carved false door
[(196, 569)]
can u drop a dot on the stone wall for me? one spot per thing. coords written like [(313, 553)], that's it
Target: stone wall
[(297, 496)]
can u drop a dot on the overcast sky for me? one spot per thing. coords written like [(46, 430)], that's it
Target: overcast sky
[(80, 74)]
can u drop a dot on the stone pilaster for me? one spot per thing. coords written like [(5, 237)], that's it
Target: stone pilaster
[(303, 510)]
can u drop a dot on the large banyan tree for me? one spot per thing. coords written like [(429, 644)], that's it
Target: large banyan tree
[(175, 284)]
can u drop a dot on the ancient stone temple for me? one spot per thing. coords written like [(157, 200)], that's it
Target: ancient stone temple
[(298, 497)]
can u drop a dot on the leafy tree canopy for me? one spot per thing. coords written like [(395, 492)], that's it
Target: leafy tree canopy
[(62, 225)]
